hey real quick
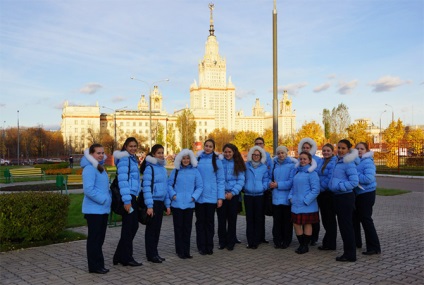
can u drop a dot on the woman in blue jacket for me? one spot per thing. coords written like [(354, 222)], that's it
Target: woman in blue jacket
[(212, 172), (129, 185), (184, 187), (325, 198), (344, 179), (309, 145), (96, 205), (156, 198), (303, 197), (281, 183), (256, 182), (365, 199), (234, 169)]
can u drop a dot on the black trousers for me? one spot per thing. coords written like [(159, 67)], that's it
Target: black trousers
[(152, 232), (328, 219), (282, 228), (254, 219), (124, 250), (97, 225), (227, 221), (205, 226), (344, 205), (183, 219), (363, 215)]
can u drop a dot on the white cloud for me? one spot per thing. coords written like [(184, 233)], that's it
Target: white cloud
[(90, 88), (241, 94), (322, 87), (331, 76), (347, 87), (119, 99), (293, 89), (387, 83)]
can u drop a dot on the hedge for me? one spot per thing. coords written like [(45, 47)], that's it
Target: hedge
[(62, 171), (32, 216)]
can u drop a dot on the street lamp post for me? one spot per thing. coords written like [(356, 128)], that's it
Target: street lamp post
[(18, 140), (115, 144), (379, 137), (150, 103), (393, 117), (3, 138)]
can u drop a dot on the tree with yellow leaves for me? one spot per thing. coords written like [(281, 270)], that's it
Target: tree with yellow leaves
[(392, 135), (310, 130), (357, 132)]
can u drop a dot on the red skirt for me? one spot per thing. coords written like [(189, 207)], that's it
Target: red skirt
[(303, 219)]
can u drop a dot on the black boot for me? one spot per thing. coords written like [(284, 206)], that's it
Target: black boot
[(306, 240), (300, 248)]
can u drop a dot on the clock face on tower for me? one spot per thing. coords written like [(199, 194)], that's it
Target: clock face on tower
[(156, 99), (288, 103)]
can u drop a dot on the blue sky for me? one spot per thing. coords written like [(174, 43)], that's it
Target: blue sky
[(363, 53)]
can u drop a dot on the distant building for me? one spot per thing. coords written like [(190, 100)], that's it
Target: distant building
[(212, 102)]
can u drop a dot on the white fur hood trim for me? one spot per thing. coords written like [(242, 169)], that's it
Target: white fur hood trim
[(91, 158), (179, 157), (311, 142), (118, 154), (351, 156), (151, 159), (263, 154), (311, 168), (368, 154)]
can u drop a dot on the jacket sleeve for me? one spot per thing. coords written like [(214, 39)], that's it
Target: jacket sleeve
[(285, 185), (198, 187), (123, 179), (328, 172), (147, 186), (265, 180), (352, 178), (171, 190), (220, 180), (90, 189), (315, 188), (239, 184), (367, 172)]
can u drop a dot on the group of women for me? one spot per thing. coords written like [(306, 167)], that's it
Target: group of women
[(341, 185)]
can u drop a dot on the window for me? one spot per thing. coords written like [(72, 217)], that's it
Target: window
[(134, 124), (76, 122), (146, 124)]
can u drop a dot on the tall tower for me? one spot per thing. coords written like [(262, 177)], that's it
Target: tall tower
[(213, 92)]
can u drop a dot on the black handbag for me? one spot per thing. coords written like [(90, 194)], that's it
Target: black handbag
[(117, 205)]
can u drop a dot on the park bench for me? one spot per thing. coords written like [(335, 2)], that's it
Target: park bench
[(26, 172), (70, 179)]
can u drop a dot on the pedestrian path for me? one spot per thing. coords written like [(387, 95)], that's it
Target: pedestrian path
[(398, 221)]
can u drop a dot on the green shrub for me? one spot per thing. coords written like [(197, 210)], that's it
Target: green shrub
[(46, 166), (32, 216)]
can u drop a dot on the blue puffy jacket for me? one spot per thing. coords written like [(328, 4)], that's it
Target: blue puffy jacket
[(188, 186), (345, 176), (269, 163), (213, 182), (282, 175), (233, 183), (305, 190), (257, 179), (129, 182), (160, 183), (366, 173), (325, 174), (97, 195)]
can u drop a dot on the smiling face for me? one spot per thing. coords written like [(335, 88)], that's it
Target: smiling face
[(260, 143), (304, 159), (98, 154), (228, 153), (342, 149), (186, 160), (159, 154), (327, 152), (306, 147), (131, 147), (208, 147), (281, 155), (256, 156), (361, 149)]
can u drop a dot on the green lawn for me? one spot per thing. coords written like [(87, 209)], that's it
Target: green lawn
[(390, 192)]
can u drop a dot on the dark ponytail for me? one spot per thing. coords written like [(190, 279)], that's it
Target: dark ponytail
[(152, 152)]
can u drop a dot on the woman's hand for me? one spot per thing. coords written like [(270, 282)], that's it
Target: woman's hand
[(174, 197), (150, 212), (273, 185), (228, 195), (168, 211), (219, 203), (127, 207)]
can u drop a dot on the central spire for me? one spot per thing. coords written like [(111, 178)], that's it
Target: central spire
[(211, 28)]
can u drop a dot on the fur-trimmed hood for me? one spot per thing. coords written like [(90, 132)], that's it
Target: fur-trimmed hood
[(151, 159), (261, 150), (179, 158), (311, 142), (351, 156), (118, 154), (368, 154), (311, 168), (91, 158), (219, 155)]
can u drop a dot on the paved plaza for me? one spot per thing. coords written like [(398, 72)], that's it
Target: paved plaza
[(399, 222)]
